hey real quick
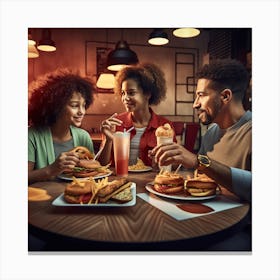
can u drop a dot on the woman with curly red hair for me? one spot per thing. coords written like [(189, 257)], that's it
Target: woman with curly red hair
[(57, 105)]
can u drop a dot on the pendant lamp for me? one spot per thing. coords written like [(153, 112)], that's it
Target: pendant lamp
[(186, 32), (46, 44), (121, 56), (106, 81), (32, 50), (30, 40), (158, 37)]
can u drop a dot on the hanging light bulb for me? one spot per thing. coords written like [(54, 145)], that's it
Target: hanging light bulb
[(121, 56), (186, 32), (158, 37), (46, 44)]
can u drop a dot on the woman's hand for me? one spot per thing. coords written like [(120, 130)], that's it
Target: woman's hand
[(65, 162), (108, 126), (174, 153)]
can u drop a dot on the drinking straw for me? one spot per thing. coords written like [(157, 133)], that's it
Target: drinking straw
[(178, 168), (100, 150), (129, 129)]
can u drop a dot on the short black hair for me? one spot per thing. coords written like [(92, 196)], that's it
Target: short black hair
[(50, 93), (150, 79), (226, 73)]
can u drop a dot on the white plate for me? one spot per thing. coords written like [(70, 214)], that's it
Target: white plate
[(149, 168), (59, 201), (69, 177), (181, 196)]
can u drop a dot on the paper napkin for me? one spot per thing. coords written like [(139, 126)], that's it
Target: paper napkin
[(172, 207)]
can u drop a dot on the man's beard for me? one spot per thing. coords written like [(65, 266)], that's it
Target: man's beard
[(208, 120), (215, 112)]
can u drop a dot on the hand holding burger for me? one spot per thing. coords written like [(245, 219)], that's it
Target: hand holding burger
[(86, 166)]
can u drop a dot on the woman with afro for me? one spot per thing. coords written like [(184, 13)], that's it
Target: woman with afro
[(140, 87), (57, 105)]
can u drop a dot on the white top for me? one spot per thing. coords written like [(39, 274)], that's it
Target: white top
[(134, 145)]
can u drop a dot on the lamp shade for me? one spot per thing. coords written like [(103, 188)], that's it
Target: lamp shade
[(186, 32), (32, 51), (30, 40), (158, 37), (46, 43), (121, 56), (106, 81)]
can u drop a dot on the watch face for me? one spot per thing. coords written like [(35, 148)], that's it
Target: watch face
[(204, 160)]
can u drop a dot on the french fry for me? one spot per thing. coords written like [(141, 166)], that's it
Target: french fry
[(138, 166), (93, 190), (94, 187)]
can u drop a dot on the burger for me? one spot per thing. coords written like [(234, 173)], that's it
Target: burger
[(85, 191), (87, 166), (78, 192), (169, 183), (201, 185), (82, 152)]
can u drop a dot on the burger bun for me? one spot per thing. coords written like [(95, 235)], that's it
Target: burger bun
[(169, 183), (201, 186)]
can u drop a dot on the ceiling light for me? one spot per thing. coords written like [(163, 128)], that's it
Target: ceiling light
[(121, 56), (158, 37), (186, 32), (30, 40), (46, 43), (32, 51), (106, 81)]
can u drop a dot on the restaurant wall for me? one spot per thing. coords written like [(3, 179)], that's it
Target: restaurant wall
[(75, 48)]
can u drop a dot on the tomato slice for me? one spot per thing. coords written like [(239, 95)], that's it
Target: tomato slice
[(85, 198), (163, 187)]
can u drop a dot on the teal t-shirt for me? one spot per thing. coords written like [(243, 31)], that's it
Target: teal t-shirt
[(41, 149)]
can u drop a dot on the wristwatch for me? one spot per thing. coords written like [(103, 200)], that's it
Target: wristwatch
[(203, 162)]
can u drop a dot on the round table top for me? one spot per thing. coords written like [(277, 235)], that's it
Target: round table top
[(138, 224)]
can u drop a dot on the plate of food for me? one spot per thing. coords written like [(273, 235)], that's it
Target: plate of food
[(174, 186), (89, 193), (139, 167), (99, 175), (86, 167)]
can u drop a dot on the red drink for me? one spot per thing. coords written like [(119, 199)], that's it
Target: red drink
[(122, 167), (121, 142)]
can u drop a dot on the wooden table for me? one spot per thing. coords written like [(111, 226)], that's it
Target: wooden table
[(138, 228)]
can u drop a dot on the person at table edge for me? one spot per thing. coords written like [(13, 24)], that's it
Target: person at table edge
[(57, 105), (226, 147)]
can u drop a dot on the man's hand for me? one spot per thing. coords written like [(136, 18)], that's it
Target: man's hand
[(174, 153)]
